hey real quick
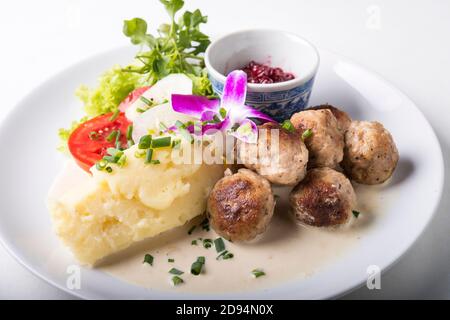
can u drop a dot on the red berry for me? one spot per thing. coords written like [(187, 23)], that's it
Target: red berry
[(261, 73)]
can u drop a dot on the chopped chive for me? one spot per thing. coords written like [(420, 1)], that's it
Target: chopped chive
[(109, 159), (191, 229), (194, 243), (223, 113), (221, 254), (130, 132), (140, 153), (114, 152), (287, 125), (148, 156), (145, 142), (225, 255), (170, 260), (197, 266), (162, 126), (122, 160), (201, 259), (180, 124), (146, 101), (114, 115), (306, 134), (258, 273), (356, 213), (108, 169), (207, 243), (228, 255), (155, 162), (176, 143), (176, 271), (93, 135), (118, 139), (148, 258), (100, 165), (162, 142), (176, 280), (140, 110), (205, 224), (184, 133), (219, 244), (111, 136), (115, 156)]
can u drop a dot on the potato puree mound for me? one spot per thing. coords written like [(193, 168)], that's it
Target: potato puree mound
[(110, 211)]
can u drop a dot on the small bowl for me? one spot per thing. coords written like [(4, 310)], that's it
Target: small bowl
[(275, 48)]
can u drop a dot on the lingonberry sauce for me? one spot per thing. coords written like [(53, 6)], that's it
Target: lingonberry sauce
[(262, 73)]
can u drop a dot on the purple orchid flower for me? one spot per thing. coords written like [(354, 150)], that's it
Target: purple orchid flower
[(230, 114)]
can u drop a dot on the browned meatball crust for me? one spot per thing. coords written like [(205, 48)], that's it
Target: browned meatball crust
[(285, 166), (240, 206), (370, 154), (326, 144), (325, 198), (342, 117)]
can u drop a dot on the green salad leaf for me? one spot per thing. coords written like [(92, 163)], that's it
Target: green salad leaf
[(113, 86)]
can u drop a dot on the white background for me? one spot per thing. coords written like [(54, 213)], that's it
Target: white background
[(407, 42)]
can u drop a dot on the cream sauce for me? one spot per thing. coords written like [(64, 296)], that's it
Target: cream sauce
[(286, 251)]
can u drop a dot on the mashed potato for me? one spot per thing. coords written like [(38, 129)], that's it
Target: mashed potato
[(108, 212)]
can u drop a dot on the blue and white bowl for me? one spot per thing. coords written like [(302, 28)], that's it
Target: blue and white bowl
[(277, 49)]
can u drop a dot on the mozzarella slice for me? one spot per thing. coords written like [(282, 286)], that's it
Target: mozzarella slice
[(160, 92), (152, 120)]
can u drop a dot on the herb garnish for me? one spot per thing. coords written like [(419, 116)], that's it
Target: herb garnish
[(205, 224), (112, 135), (176, 280), (306, 134), (114, 115), (197, 266), (225, 255), (287, 125), (191, 229), (175, 271), (258, 273), (145, 142), (356, 213), (162, 142), (176, 49), (219, 244), (207, 243), (148, 258)]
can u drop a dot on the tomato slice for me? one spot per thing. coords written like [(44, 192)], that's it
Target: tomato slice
[(132, 97), (88, 143)]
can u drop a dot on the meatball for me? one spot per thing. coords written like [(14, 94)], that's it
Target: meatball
[(370, 154), (326, 144), (342, 117), (241, 205), (282, 161), (325, 198)]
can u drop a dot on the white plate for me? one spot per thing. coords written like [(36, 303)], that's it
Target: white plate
[(29, 162)]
